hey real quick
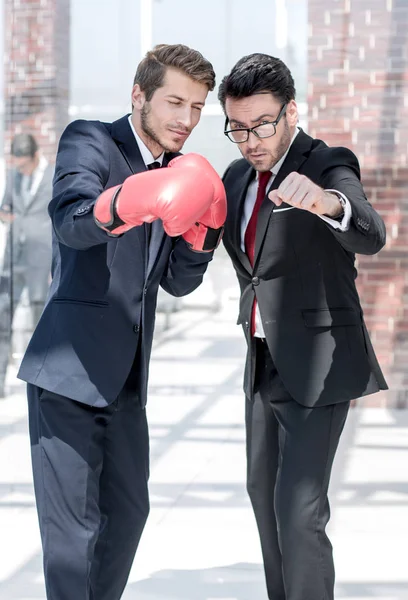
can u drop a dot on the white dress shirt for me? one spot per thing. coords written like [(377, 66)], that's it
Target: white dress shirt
[(31, 183), (249, 204), (147, 156)]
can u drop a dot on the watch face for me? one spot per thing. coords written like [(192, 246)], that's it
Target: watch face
[(343, 204), (341, 199)]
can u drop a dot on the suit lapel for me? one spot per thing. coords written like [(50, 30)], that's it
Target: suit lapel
[(242, 185), (295, 158), (126, 142), (158, 234)]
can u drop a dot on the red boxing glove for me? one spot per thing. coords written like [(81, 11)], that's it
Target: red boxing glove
[(206, 233), (171, 195)]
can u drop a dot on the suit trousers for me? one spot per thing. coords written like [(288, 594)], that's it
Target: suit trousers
[(290, 452), (91, 469)]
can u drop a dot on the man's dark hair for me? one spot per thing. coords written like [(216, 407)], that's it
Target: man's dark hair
[(152, 69), (256, 74), (24, 144)]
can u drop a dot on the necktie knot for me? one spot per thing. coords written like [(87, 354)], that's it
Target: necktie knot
[(154, 165)]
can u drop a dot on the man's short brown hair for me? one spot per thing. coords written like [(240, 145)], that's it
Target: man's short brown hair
[(152, 69)]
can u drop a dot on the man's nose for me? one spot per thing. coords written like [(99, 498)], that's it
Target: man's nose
[(253, 140), (185, 119)]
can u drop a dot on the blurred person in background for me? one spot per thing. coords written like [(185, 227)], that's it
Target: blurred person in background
[(129, 215), (297, 214), (27, 256)]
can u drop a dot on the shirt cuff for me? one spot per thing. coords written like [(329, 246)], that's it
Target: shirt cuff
[(344, 224)]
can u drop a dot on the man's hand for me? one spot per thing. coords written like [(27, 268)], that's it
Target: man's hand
[(178, 196), (300, 192), (6, 216)]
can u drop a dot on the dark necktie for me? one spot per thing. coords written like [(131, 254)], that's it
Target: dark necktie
[(250, 232), (27, 182), (148, 226)]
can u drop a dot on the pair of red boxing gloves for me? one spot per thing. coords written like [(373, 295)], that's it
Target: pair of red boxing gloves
[(188, 196)]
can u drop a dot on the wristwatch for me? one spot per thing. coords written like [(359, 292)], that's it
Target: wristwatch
[(342, 202)]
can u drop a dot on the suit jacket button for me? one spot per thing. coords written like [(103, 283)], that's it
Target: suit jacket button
[(136, 328), (255, 280)]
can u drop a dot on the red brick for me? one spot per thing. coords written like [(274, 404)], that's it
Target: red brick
[(383, 159), (37, 102)]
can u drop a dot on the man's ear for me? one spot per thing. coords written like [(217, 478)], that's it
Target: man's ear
[(292, 115), (138, 97)]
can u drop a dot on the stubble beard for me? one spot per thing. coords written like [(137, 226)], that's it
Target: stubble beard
[(276, 155), (149, 130)]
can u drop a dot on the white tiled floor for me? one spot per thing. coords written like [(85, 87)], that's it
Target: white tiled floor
[(201, 541)]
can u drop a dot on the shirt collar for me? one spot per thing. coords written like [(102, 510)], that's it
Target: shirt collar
[(275, 168), (147, 156)]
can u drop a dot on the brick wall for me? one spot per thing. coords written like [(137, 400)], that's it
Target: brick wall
[(358, 97), (36, 63)]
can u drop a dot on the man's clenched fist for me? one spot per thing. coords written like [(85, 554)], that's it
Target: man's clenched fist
[(206, 233), (300, 192)]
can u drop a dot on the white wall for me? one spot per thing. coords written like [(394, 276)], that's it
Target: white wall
[(104, 59)]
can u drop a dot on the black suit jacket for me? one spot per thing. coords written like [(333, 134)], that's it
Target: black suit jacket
[(104, 289), (304, 279)]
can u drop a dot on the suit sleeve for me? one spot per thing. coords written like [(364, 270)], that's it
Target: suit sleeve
[(366, 233), (81, 170), (185, 270), (7, 200)]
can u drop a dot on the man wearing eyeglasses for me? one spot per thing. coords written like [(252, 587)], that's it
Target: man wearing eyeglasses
[(297, 214)]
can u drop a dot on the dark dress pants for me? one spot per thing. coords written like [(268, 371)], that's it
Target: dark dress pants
[(91, 468), (290, 452)]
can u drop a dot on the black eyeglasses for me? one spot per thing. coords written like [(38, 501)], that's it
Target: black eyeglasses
[(264, 130)]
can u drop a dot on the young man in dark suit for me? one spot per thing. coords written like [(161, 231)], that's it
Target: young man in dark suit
[(122, 226), (297, 214)]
